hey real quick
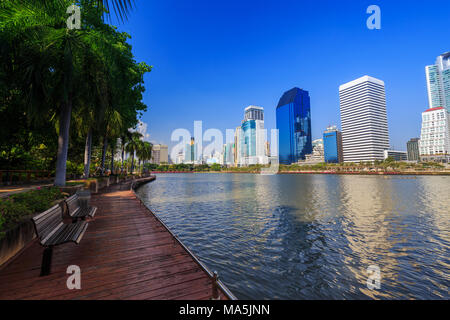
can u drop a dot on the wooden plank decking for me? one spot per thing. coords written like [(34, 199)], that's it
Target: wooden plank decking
[(126, 253)]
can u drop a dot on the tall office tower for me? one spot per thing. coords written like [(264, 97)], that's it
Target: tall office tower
[(364, 120), (253, 137), (332, 143), (434, 144), (294, 126), (438, 82), (237, 146), (179, 158), (254, 113), (190, 153), (160, 154), (228, 154), (412, 147)]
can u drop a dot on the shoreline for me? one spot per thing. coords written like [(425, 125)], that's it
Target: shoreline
[(356, 173)]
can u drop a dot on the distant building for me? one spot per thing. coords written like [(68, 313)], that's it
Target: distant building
[(332, 143), (317, 155), (268, 148), (396, 155), (438, 82), (160, 154), (434, 144), (180, 158), (237, 147), (294, 126), (252, 137), (364, 120), (254, 113), (228, 154), (190, 153), (412, 147)]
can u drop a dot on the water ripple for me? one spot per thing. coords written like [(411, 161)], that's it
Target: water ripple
[(312, 236)]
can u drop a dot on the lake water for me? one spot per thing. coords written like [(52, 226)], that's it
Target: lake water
[(312, 236)]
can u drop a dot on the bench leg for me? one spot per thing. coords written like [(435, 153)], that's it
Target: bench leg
[(46, 261)]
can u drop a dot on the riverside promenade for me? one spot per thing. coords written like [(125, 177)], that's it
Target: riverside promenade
[(126, 253)]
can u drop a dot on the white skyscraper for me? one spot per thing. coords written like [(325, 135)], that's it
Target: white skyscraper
[(365, 133), (438, 82), (434, 144)]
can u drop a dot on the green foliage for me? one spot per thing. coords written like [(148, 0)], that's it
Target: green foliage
[(216, 167), (43, 67), (15, 207), (38, 200), (74, 168), (11, 213)]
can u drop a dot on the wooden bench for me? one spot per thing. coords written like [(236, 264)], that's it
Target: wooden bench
[(77, 211), (52, 231)]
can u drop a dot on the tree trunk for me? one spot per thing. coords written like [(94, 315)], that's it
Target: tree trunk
[(105, 145), (123, 153), (113, 150), (132, 163), (87, 154), (63, 144)]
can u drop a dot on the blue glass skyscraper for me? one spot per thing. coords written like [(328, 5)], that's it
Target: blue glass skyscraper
[(332, 143), (294, 125)]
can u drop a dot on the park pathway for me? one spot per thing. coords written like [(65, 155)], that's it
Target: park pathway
[(126, 253)]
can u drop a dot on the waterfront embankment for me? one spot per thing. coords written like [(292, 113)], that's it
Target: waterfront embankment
[(356, 172), (126, 253)]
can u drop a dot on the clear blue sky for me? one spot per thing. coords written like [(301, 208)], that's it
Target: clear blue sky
[(214, 58)]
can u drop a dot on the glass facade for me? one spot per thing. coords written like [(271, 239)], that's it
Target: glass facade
[(330, 144), (438, 82), (190, 152), (248, 138), (294, 125), (446, 88), (412, 147)]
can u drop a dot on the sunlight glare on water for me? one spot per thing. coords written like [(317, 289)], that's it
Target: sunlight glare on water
[(312, 236)]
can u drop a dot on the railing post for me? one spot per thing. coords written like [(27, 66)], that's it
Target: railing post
[(215, 286)]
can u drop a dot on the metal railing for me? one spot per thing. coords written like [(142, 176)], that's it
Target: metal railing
[(215, 281), (23, 175)]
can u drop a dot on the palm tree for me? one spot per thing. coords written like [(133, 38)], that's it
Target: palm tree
[(112, 126), (37, 29), (50, 65), (132, 146), (124, 139), (144, 153), (147, 155)]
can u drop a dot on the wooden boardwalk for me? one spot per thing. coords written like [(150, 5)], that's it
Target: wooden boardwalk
[(126, 253)]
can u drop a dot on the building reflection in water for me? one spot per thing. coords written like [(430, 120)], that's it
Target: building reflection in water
[(312, 236)]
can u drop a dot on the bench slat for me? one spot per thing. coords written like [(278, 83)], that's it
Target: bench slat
[(45, 223), (68, 233)]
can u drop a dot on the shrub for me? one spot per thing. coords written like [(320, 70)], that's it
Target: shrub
[(14, 208)]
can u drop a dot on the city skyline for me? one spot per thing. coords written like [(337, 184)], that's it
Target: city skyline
[(207, 75)]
